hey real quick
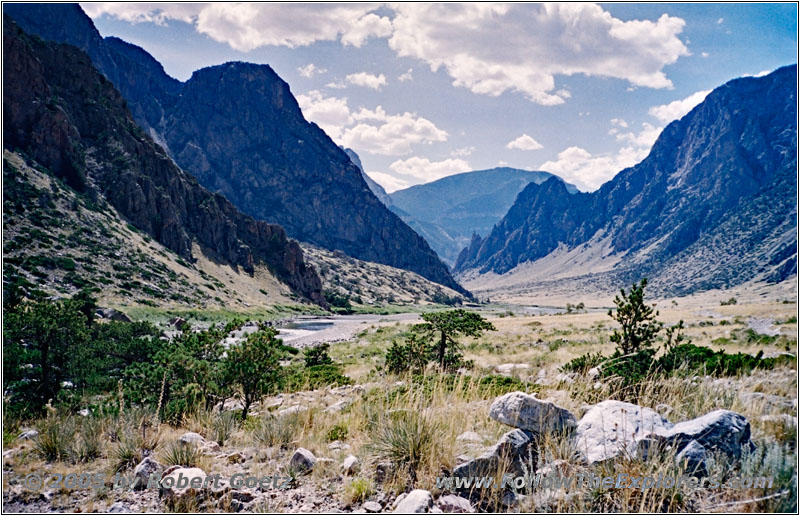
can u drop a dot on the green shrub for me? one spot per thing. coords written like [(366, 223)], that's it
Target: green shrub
[(180, 454), (317, 355), (358, 490), (583, 363), (278, 431), (222, 427), (337, 433), (56, 439), (126, 454), (308, 378)]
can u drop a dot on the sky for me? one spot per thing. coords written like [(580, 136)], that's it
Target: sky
[(423, 91)]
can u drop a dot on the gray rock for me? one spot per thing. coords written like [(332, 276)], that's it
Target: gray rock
[(192, 438), (416, 501), (525, 412), (508, 369), (170, 488), (612, 427), (112, 315), (119, 507), (454, 504), (143, 471), (338, 406), (517, 447), (383, 470), (302, 460), (720, 430), (372, 506), (350, 465), (28, 434), (692, 459), (470, 437)]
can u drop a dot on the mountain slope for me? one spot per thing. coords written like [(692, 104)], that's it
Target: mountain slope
[(238, 129), (712, 205), (377, 189), (447, 212), (60, 112)]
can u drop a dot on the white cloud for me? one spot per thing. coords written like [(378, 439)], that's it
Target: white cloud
[(525, 143), (408, 76), (310, 70), (246, 26), (493, 48), (389, 182), (367, 80), (586, 171), (373, 131), (666, 113), (704, 54), (462, 152), (719, 21), (330, 113), (762, 73), (422, 170)]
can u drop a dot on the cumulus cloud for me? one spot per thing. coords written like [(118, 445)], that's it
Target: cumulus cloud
[(463, 151), (588, 171), (389, 182), (666, 113), (367, 80), (493, 48), (422, 170), (525, 143), (369, 130), (408, 76), (246, 26), (310, 70)]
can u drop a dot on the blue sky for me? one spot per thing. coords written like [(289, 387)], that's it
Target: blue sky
[(421, 91)]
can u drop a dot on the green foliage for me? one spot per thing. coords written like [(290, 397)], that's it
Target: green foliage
[(358, 490), (317, 355), (278, 431), (126, 454), (253, 366), (412, 355), (405, 438), (56, 439), (180, 454), (337, 432), (638, 323), (702, 360), (295, 379), (583, 363), (222, 427), (731, 301)]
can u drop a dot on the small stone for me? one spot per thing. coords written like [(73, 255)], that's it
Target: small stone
[(235, 458), (302, 460), (383, 470), (143, 471), (350, 465), (119, 507), (508, 369), (170, 482), (192, 438), (417, 501), (372, 506), (338, 406), (470, 437), (454, 504)]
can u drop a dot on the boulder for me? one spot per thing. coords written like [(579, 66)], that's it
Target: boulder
[(302, 460), (182, 484), (192, 438), (112, 315), (516, 449), (692, 459), (339, 406), (454, 504), (508, 369), (525, 412), (612, 427), (720, 430), (416, 501), (28, 434), (143, 471), (177, 322), (350, 465)]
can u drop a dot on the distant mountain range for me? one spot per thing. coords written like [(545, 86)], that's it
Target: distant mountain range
[(59, 113), (238, 129), (449, 211), (713, 205)]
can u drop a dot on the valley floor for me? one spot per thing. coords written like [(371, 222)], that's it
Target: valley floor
[(335, 423)]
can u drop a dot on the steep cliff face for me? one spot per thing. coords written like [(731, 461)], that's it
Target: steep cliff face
[(706, 175), (62, 113), (238, 129)]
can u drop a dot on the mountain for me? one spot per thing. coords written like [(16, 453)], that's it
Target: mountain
[(377, 189), (449, 211), (712, 205), (60, 113), (238, 129)]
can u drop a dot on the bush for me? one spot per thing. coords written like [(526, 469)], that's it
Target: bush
[(55, 440), (317, 355), (699, 359), (337, 432), (278, 431), (126, 454), (583, 363), (358, 490), (406, 438), (180, 454), (222, 427), (298, 379)]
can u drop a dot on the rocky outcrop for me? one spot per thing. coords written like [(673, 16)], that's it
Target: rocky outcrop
[(61, 112), (516, 450), (721, 430), (711, 206)]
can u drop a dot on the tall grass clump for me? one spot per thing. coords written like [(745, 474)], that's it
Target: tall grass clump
[(56, 439), (278, 430), (180, 454), (222, 427), (407, 438)]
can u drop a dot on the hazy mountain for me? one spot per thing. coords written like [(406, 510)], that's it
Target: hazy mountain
[(62, 114), (239, 130), (377, 189), (447, 212), (712, 205)]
